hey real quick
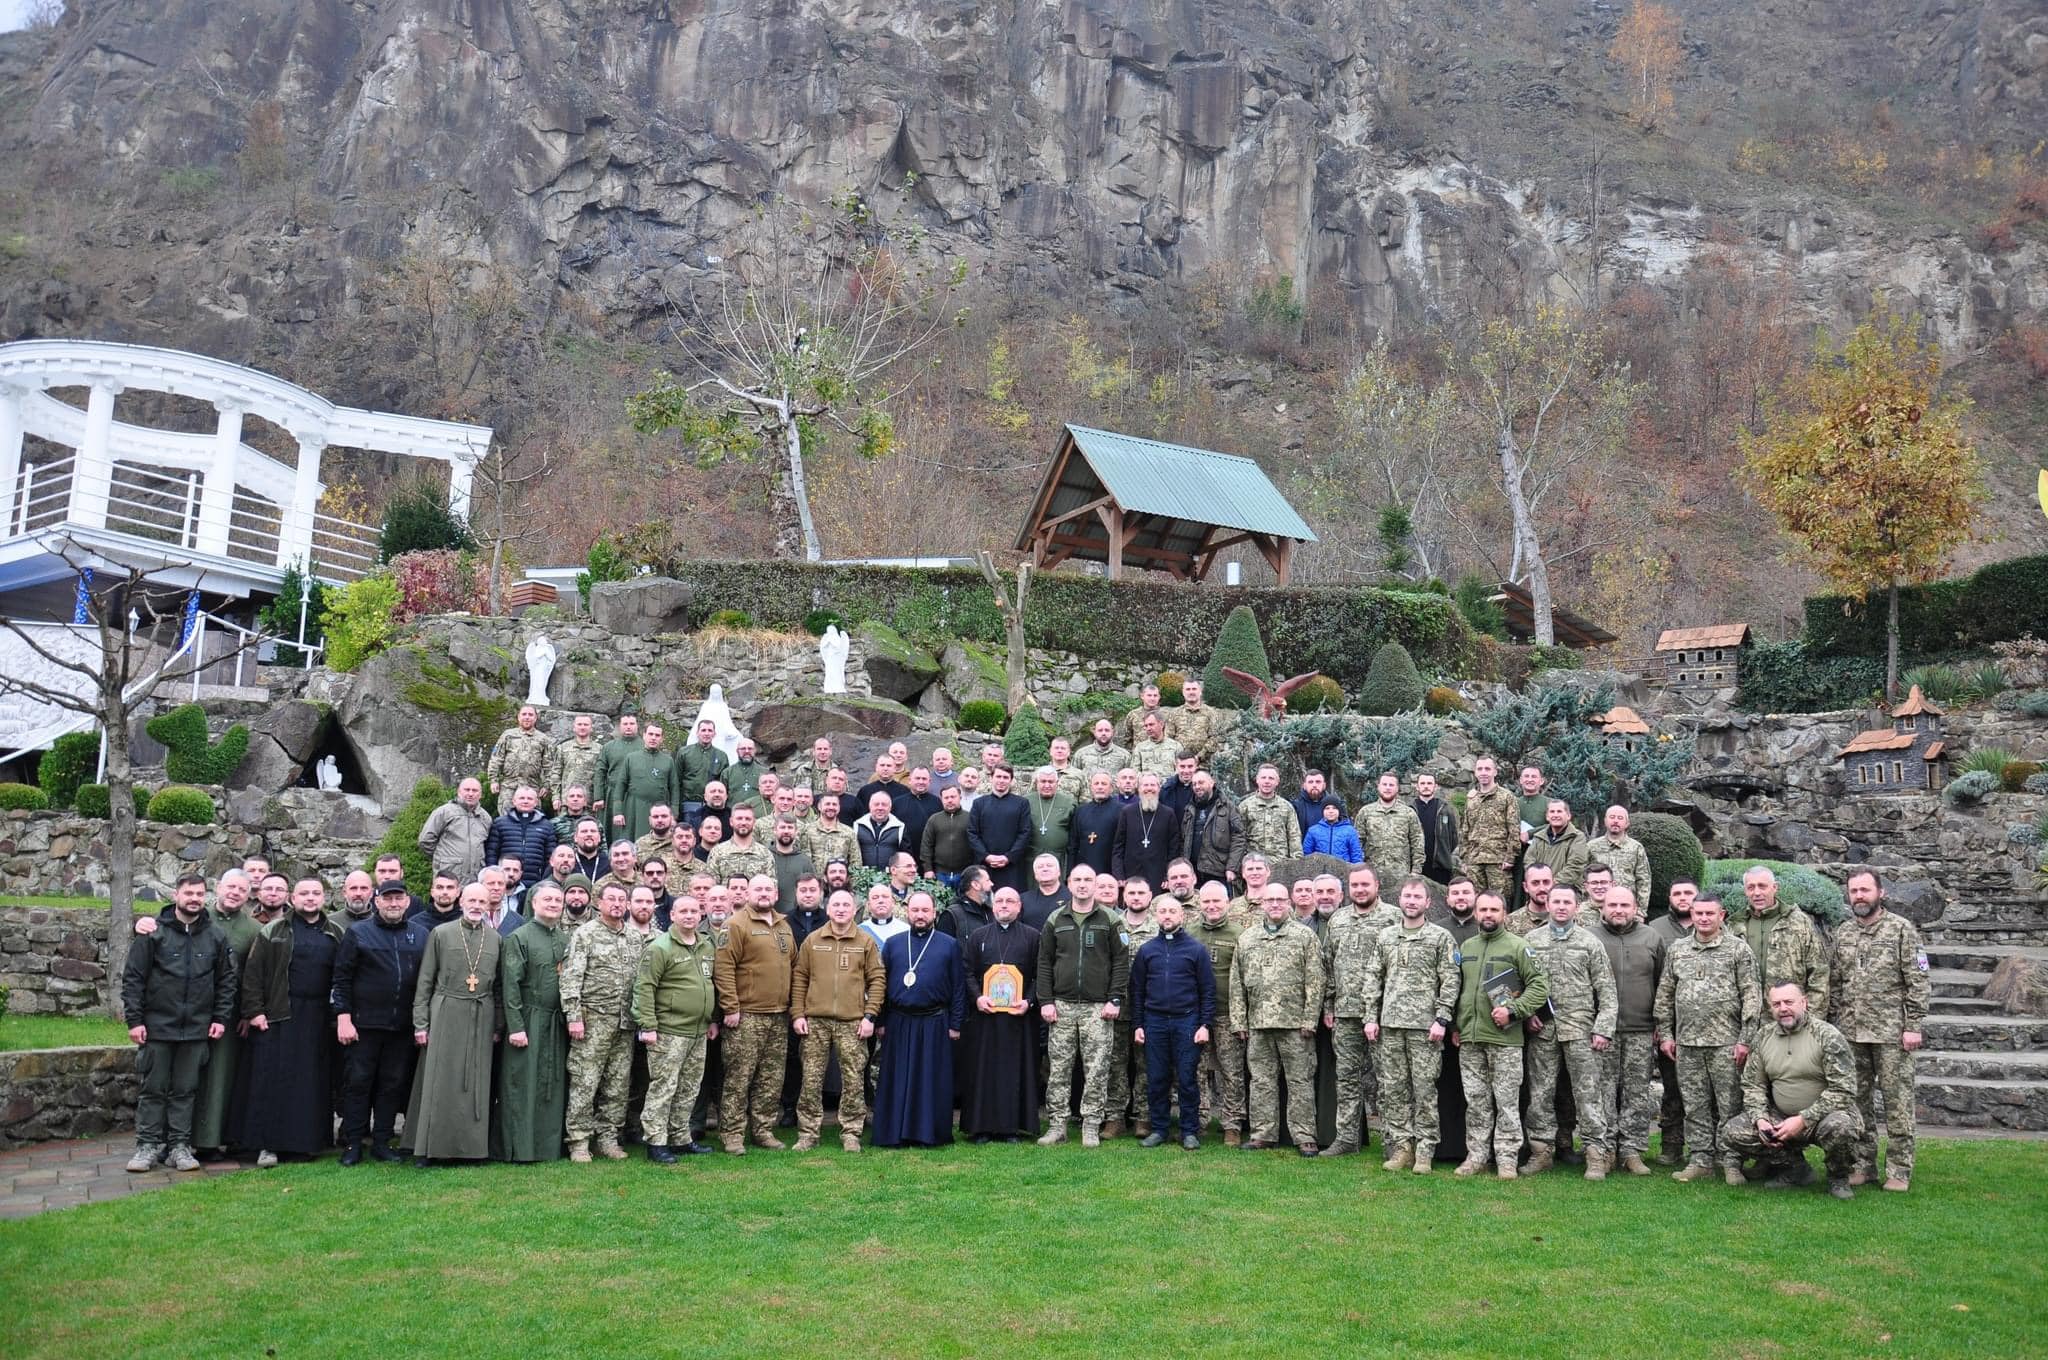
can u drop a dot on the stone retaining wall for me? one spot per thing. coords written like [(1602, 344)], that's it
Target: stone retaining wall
[(53, 960), (60, 854), (66, 1093)]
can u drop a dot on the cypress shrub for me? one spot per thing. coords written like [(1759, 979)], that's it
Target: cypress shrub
[(1238, 647), (1392, 684)]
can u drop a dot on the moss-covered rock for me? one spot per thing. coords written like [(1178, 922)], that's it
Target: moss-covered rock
[(897, 669), (781, 730)]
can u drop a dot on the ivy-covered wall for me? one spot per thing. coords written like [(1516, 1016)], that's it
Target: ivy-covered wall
[(1968, 613), (1332, 629)]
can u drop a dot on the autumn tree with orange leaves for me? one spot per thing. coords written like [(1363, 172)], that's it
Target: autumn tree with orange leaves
[(1646, 48)]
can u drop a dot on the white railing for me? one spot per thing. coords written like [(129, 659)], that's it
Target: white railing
[(40, 497)]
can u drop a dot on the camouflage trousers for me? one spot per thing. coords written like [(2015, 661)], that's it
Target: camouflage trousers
[(1492, 1077), (1628, 1093), (675, 1069), (1222, 1078), (826, 1038), (1272, 1053), (1545, 1056), (1354, 1076), (600, 1071), (1711, 1088), (755, 1052), (1671, 1112), (1079, 1033), (1836, 1135), (1885, 1069), (1126, 1098), (1408, 1063), (1490, 878)]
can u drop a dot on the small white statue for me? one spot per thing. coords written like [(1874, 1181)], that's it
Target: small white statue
[(540, 665), (832, 649), (328, 773), (725, 736)]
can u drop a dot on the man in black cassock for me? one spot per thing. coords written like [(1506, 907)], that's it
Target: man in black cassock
[(921, 1016), (999, 830), (1000, 1051)]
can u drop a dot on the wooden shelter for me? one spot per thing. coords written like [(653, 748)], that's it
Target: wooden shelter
[(1571, 630), (1115, 498)]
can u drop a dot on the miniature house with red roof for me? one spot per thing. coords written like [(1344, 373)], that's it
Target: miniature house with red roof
[(1902, 758)]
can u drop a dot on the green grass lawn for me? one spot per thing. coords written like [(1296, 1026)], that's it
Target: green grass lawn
[(1031, 1252), (19, 1032), (142, 905)]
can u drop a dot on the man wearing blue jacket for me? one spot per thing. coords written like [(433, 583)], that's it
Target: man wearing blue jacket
[(1173, 994)]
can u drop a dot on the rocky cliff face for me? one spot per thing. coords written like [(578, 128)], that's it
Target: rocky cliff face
[(1078, 147)]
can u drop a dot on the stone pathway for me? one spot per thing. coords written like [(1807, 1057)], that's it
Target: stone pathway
[(62, 1175)]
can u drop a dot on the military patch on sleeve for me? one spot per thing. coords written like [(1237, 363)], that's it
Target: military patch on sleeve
[(1124, 935), (1457, 956), (1920, 961)]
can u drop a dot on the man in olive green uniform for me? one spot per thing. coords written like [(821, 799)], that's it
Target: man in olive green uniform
[(1276, 996), (1559, 846), (1083, 970), (1501, 983), (1127, 1096), (1390, 833), (752, 970), (525, 755), (1878, 981), (1154, 753), (1102, 755), (1410, 995), (697, 764), (639, 781), (675, 1010), (1489, 831), (1783, 939), (1350, 938), (1052, 813), (1271, 826), (576, 760), (1624, 854), (1582, 1009), (836, 992), (1222, 1058), (533, 1067), (1707, 1008), (1798, 1087), (1628, 1091), (609, 757), (597, 998), (741, 854), (1194, 726), (742, 774)]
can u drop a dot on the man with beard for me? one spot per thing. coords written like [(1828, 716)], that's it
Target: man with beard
[(999, 1093), (1628, 1068), (1083, 972), (1147, 836), (376, 972), (752, 970), (593, 860), (598, 974), (358, 900), (999, 830), (921, 1019), (972, 909), (533, 1069), (212, 1109), (790, 861), (644, 778), (1707, 1008), (1092, 838), (1312, 797), (943, 850), (835, 997), (1501, 984), (829, 838), (1439, 831), (1798, 1088), (1878, 977), (454, 1017), (1102, 755), (675, 1011), (177, 994), (285, 994), (610, 756), (1212, 832)]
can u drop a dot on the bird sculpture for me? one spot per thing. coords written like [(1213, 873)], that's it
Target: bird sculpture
[(1271, 699)]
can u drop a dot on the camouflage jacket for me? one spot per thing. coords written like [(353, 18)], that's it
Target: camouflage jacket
[(1582, 995), (1877, 980), (1195, 729), (825, 844), (1071, 780), (1130, 729), (1411, 978), (1276, 977), (1349, 939), (1788, 946), (1092, 759), (1391, 836), (599, 974), (1629, 861), (1155, 757), (1808, 1070), (730, 860), (576, 763), (522, 757), (1707, 996), (1489, 829), (1271, 827)]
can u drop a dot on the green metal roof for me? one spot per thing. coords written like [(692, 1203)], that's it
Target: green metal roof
[(1148, 476)]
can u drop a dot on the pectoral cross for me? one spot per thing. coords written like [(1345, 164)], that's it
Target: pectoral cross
[(471, 980)]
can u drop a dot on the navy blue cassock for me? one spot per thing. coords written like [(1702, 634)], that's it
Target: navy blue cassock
[(914, 1093)]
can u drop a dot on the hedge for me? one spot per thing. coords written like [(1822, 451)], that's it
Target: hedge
[(181, 806), (1996, 603), (93, 800), (1332, 629), (22, 798), (1785, 677), (70, 762)]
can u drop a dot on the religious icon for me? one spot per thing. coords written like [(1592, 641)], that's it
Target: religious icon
[(1003, 985)]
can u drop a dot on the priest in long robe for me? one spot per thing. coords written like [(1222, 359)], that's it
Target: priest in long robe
[(455, 1015), (533, 1066), (639, 780), (921, 1016), (999, 1049), (210, 1114)]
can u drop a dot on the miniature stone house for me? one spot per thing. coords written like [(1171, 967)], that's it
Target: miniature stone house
[(1701, 658), (1902, 758), (1623, 727)]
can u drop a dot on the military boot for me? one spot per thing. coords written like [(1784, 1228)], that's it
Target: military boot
[(736, 1146), (807, 1142), (1091, 1133), (1733, 1175), (1471, 1166), (1114, 1128), (579, 1149), (609, 1149), (770, 1141), (849, 1142), (1838, 1186), (1898, 1184), (1507, 1172), (1424, 1159), (1697, 1171), (1667, 1155), (1596, 1164), (1142, 1128), (1633, 1164), (659, 1153), (1539, 1159), (1403, 1158), (1339, 1149), (1232, 1138), (1057, 1133)]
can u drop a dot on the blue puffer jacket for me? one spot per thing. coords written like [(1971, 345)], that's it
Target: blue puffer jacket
[(529, 835), (1339, 838)]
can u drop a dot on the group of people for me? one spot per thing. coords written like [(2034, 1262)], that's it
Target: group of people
[(645, 960)]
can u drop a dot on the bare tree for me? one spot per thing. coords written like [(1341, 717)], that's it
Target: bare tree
[(42, 15), (802, 328), (137, 618), (1017, 658), (500, 512), (1391, 460)]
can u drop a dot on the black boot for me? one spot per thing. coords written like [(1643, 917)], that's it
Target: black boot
[(381, 1150), (693, 1148), (658, 1152), (353, 1153)]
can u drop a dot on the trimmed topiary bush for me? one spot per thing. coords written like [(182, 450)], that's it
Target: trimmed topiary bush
[(2017, 774), (1239, 647), (69, 762), (181, 806), (1026, 744), (190, 754), (93, 800), (1441, 701), (1170, 683), (403, 839), (22, 798), (1674, 852), (1392, 684), (1320, 695), (1804, 888), (982, 715), (1966, 790)]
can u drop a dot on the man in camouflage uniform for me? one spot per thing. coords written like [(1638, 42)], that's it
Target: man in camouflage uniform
[(1410, 994), (1525, 921), (1194, 726), (1222, 1058), (1083, 970), (1489, 831), (828, 838), (661, 826), (1798, 1087), (1271, 827), (1155, 753), (1783, 939), (524, 755), (576, 759), (1276, 993), (1628, 1091), (1706, 1010), (1390, 833), (1101, 756), (1246, 908), (1673, 926), (836, 993), (1127, 1080), (1130, 729), (753, 969), (597, 1001), (1579, 1026), (1350, 938), (1878, 979), (1624, 854), (741, 854)]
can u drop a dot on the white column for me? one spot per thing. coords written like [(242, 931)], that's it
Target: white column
[(93, 472), (217, 501), (295, 542), (10, 455), (461, 471)]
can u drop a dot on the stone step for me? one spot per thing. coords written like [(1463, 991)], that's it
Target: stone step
[(1981, 958), (1978, 1064), (1955, 982), (1981, 1103), (1964, 1005), (1998, 1033)]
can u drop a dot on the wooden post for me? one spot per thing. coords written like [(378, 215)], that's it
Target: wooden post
[(1112, 516), (1284, 559)]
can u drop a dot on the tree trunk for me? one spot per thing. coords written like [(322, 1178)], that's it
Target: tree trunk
[(1017, 657), (1891, 646), (120, 848), (1529, 550), (793, 439)]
